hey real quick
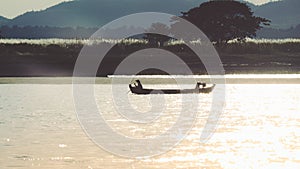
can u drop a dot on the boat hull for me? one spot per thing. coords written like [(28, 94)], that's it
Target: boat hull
[(143, 91)]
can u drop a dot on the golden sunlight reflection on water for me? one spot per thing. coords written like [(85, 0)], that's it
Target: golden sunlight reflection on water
[(259, 128)]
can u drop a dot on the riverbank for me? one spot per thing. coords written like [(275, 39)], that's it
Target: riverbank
[(58, 60), (159, 79)]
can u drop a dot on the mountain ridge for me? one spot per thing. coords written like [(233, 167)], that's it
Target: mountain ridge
[(3, 20), (96, 13), (92, 13), (284, 14)]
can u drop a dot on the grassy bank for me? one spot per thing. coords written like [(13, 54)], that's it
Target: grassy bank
[(57, 57)]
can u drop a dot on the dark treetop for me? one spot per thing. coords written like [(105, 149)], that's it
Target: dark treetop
[(225, 20)]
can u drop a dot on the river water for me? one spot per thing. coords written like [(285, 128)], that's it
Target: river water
[(258, 128)]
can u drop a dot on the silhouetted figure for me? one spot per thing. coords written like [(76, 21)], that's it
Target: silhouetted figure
[(138, 84), (200, 85)]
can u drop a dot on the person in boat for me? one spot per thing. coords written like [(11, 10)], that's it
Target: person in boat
[(138, 84), (200, 85)]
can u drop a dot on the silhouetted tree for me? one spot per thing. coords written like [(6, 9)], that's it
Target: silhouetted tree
[(223, 20)]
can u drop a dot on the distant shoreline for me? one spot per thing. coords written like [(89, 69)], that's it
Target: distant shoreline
[(58, 60), (229, 79)]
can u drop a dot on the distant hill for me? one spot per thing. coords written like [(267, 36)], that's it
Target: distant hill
[(284, 14), (3, 20), (95, 13), (272, 33)]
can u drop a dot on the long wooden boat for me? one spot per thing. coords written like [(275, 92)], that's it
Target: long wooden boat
[(200, 88)]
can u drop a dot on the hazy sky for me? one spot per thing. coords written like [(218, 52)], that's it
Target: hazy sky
[(13, 8)]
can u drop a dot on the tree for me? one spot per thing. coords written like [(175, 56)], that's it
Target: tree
[(223, 20)]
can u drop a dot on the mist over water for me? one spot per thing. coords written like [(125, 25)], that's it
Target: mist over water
[(259, 128)]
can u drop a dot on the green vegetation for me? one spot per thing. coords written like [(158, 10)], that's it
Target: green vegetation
[(58, 58), (261, 47)]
